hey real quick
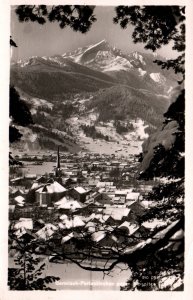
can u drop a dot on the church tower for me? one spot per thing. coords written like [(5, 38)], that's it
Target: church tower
[(57, 170)]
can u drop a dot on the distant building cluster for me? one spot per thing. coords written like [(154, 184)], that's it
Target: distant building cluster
[(86, 198)]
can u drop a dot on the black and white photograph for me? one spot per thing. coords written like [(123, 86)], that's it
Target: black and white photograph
[(96, 167)]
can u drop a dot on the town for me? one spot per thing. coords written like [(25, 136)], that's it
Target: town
[(87, 197)]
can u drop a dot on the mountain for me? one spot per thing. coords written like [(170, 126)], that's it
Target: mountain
[(90, 69), (134, 69), (49, 77), (94, 98)]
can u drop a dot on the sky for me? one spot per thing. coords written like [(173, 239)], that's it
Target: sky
[(49, 39)]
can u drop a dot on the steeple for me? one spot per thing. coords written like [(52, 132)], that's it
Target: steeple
[(57, 171), (58, 159)]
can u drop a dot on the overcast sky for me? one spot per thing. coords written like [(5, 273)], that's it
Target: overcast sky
[(49, 39)]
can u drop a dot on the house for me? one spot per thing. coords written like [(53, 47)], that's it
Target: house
[(49, 193), (105, 240), (30, 176), (46, 232), (41, 180), (68, 243), (137, 209), (17, 192), (25, 234), (26, 223), (131, 198), (19, 200), (63, 217), (60, 202), (107, 243), (117, 215), (98, 236), (98, 218), (104, 184), (128, 227), (91, 206), (118, 200), (104, 199), (142, 232), (38, 224), (73, 222), (16, 181), (92, 182), (79, 193), (91, 227), (70, 205)]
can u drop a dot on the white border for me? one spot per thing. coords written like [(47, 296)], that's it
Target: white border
[(4, 82)]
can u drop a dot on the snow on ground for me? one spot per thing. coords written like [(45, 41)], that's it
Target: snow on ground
[(142, 72), (130, 143), (82, 101), (116, 64), (56, 60), (33, 111), (139, 130), (157, 77), (155, 223), (41, 102), (37, 102), (59, 132), (139, 56)]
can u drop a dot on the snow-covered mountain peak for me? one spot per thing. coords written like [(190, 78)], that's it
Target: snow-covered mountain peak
[(139, 57)]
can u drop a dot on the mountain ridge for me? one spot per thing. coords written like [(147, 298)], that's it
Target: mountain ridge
[(74, 91)]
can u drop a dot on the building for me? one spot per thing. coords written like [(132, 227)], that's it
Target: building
[(79, 193), (49, 193)]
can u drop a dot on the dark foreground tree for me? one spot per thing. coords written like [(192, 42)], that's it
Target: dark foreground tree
[(156, 26), (78, 17), (28, 272), (19, 115)]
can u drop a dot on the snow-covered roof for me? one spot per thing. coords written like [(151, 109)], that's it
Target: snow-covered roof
[(63, 217), (50, 226), (90, 224), (19, 199), (74, 222), (26, 223), (132, 196), (45, 234), (17, 191), (104, 184), (47, 231), (21, 231), (30, 176), (132, 227), (80, 190), (116, 213), (98, 236), (67, 238), (123, 192), (100, 217), (71, 204), (61, 225), (35, 185), (61, 201), (155, 223), (54, 187)]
